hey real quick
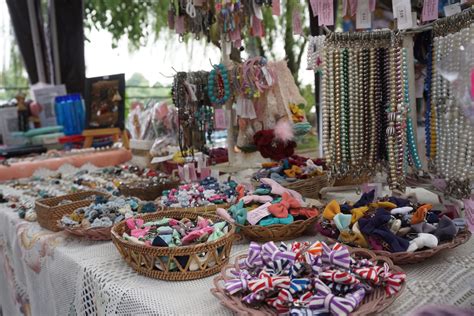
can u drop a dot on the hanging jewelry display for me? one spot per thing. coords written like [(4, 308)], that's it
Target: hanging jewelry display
[(451, 129), (195, 115), (365, 101)]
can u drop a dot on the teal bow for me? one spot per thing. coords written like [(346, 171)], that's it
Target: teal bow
[(217, 233), (262, 191), (342, 221), (271, 220), (239, 212)]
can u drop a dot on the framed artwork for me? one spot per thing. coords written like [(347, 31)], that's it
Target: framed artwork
[(105, 102)]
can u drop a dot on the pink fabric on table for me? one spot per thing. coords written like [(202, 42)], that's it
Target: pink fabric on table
[(99, 159)]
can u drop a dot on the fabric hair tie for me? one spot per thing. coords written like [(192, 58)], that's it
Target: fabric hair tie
[(304, 212), (342, 221), (358, 213), (383, 204), (401, 210), (377, 226), (365, 199), (446, 229), (400, 202), (423, 240), (271, 220), (331, 209), (423, 227), (420, 214)]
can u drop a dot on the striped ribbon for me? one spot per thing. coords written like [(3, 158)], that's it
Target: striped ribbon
[(325, 301), (340, 289), (266, 282), (278, 267), (253, 298), (299, 285), (338, 276), (270, 252), (285, 299), (338, 256), (254, 259), (240, 283)]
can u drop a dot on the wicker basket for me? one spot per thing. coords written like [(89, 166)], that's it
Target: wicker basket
[(97, 234), (277, 232), (49, 212), (210, 209), (309, 188), (373, 303), (418, 256), (150, 193), (351, 180), (144, 259)]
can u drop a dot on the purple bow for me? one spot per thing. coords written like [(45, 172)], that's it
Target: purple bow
[(254, 258), (325, 301), (270, 252), (338, 255), (240, 283)]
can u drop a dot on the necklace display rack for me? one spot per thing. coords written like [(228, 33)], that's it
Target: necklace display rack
[(459, 185)]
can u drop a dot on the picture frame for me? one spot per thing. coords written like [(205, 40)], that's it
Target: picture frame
[(105, 102)]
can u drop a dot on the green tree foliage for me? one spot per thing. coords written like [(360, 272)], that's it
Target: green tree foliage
[(141, 21)]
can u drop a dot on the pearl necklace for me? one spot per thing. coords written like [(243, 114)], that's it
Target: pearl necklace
[(453, 130)]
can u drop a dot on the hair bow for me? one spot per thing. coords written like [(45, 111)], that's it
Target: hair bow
[(239, 212), (316, 249), (271, 220), (267, 282), (337, 276), (238, 284), (420, 213), (331, 210), (300, 285), (401, 210), (365, 199), (133, 223), (281, 209), (253, 298), (383, 204), (254, 258), (304, 212), (446, 229), (369, 273), (393, 280), (423, 240), (285, 299), (278, 267), (293, 171), (325, 301), (278, 189), (342, 221), (358, 213), (240, 189), (338, 255), (377, 226), (340, 289), (197, 234), (224, 214), (354, 237), (399, 201), (257, 199), (270, 252), (423, 227)]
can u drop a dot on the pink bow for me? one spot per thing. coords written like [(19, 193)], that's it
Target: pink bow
[(192, 236), (337, 276), (267, 282), (133, 223), (257, 198), (280, 210)]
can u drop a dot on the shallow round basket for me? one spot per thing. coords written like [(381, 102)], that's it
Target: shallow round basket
[(211, 208), (421, 255), (309, 188), (97, 234), (149, 193), (418, 256), (277, 232), (372, 303), (49, 211), (197, 261)]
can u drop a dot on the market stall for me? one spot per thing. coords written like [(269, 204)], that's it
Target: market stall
[(373, 225)]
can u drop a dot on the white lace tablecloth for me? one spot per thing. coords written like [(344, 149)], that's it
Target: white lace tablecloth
[(45, 273)]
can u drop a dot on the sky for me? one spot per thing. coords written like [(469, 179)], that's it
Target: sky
[(154, 61)]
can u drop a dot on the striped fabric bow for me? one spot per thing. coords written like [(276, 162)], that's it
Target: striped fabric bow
[(297, 270), (361, 263), (285, 299), (267, 282), (270, 252), (254, 258), (341, 289), (338, 276), (278, 267), (338, 255), (325, 301), (315, 249), (240, 283), (300, 285), (297, 248), (369, 273), (253, 298), (393, 280)]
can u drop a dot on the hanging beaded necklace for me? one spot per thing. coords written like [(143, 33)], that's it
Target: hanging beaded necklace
[(218, 85)]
